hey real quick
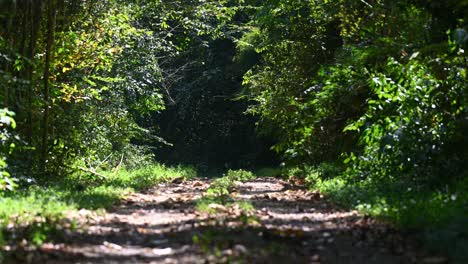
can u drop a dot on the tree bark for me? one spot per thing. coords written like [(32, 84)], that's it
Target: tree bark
[(10, 40), (36, 17), (51, 16)]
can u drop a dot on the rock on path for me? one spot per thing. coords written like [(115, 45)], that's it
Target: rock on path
[(289, 225)]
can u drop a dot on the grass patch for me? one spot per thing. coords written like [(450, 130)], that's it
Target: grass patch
[(441, 214), (217, 197), (36, 213), (224, 185)]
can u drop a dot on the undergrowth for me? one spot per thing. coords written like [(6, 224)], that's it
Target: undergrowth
[(440, 213)]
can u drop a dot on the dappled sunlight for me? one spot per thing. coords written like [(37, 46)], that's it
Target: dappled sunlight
[(330, 131), (163, 224)]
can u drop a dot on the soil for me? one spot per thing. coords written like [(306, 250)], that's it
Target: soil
[(289, 224)]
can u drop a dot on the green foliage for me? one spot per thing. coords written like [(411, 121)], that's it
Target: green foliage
[(97, 90), (220, 189), (103, 105), (410, 118), (388, 100), (7, 183), (207, 202), (281, 86), (204, 119), (102, 88), (147, 176), (345, 81), (439, 213), (327, 170), (313, 173), (103, 77), (239, 175)]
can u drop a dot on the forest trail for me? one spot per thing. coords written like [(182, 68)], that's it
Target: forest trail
[(288, 225)]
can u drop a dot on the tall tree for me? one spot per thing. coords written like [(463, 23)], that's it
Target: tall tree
[(51, 20)]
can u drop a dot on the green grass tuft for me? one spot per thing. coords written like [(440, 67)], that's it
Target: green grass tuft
[(219, 190)]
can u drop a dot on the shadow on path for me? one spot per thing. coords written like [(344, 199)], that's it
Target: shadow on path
[(291, 225)]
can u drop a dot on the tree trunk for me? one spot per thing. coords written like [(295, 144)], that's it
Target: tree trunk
[(51, 16), (10, 40), (36, 17)]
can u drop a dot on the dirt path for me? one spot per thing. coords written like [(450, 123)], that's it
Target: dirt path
[(290, 225)]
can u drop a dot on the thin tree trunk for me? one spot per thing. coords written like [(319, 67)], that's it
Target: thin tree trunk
[(36, 11), (10, 39), (51, 16), (23, 20)]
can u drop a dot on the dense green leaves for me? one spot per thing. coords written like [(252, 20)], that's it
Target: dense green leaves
[(361, 81), (204, 119), (7, 122), (374, 90), (372, 80), (409, 120)]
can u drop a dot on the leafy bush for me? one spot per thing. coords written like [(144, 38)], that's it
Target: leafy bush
[(240, 175), (410, 121), (221, 187), (6, 122), (440, 214)]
